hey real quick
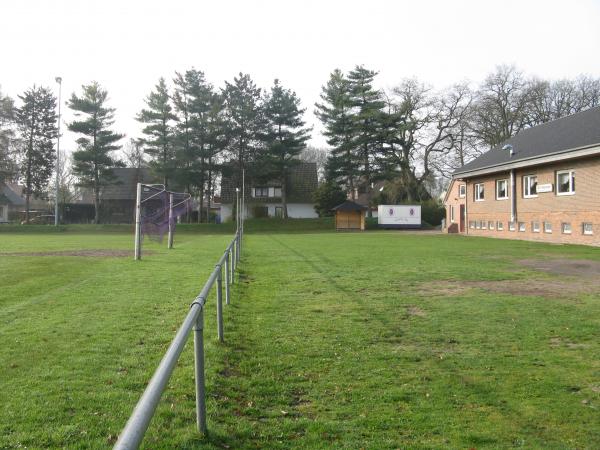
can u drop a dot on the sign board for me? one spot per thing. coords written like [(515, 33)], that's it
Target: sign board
[(541, 188), (399, 216)]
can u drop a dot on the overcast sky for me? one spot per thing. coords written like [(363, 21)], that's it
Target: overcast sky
[(127, 45)]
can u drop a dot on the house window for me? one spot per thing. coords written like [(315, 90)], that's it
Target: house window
[(521, 226), (462, 190), (279, 212), (565, 182), (566, 228), (277, 192), (499, 226), (501, 189), (511, 226), (478, 224), (471, 224), (535, 227), (491, 224), (588, 228), (452, 213), (1, 212), (261, 192), (530, 186), (479, 192), (547, 227), (483, 225)]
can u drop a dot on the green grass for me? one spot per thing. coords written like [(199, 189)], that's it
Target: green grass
[(332, 340)]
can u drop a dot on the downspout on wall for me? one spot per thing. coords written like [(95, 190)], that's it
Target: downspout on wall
[(513, 197)]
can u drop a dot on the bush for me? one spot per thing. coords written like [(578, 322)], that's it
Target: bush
[(432, 212), (327, 196)]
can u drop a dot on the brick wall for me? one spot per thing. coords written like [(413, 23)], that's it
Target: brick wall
[(581, 207), (454, 200)]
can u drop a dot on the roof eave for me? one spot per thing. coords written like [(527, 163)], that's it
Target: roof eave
[(573, 153)]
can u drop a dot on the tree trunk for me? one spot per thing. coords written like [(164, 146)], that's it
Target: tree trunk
[(209, 189), (96, 205), (284, 196)]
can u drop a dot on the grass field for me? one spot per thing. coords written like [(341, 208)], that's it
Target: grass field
[(374, 340)]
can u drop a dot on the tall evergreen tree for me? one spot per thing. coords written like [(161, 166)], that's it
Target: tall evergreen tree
[(285, 135), (36, 120), (243, 104), (367, 114), (335, 112), (7, 119), (92, 161), (216, 143), (158, 143)]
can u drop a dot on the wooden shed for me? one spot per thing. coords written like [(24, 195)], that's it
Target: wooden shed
[(349, 216)]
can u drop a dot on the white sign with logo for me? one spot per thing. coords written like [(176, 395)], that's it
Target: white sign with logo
[(399, 216), (541, 188)]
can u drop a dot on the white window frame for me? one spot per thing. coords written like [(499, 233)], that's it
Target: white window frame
[(504, 180), (511, 226), (500, 226), (563, 228), (522, 227), (262, 189), (491, 225), (479, 193), (583, 230), (277, 192), (451, 213), (527, 186), (484, 224), (571, 174), (548, 227), (478, 224), (472, 224), (462, 190), (535, 227)]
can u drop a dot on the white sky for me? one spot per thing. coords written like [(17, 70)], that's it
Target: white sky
[(127, 45)]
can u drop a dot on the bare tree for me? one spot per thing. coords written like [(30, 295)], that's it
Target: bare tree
[(316, 155), (133, 152)]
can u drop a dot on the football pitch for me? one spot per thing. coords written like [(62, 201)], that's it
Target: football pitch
[(377, 340)]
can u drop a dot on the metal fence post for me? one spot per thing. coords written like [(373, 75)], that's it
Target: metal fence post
[(199, 366), (237, 253), (220, 303), (227, 278)]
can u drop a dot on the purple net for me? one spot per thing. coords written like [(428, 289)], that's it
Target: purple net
[(156, 202)]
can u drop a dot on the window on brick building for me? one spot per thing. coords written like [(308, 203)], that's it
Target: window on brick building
[(501, 189), (547, 227), (565, 182), (521, 226), (566, 228), (535, 227), (588, 228), (511, 226), (499, 226), (491, 224), (452, 213), (478, 224), (479, 192), (483, 225), (530, 186), (472, 224), (462, 190)]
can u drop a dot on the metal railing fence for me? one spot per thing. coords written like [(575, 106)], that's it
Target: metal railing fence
[(135, 429)]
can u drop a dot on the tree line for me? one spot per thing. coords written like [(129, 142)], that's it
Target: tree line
[(408, 138), (412, 136)]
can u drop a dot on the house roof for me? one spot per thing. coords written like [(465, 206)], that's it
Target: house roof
[(349, 205), (11, 194), (558, 137), (302, 183), (125, 187)]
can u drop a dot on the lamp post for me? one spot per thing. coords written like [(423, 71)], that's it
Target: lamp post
[(59, 81), (237, 207)]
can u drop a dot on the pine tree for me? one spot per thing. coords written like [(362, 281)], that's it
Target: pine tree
[(216, 142), (243, 105), (335, 112), (158, 143), (366, 118), (7, 119), (92, 162), (284, 136), (37, 124)]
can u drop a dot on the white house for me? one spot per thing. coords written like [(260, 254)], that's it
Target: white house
[(263, 199)]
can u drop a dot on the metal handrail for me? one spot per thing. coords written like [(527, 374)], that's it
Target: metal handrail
[(135, 429)]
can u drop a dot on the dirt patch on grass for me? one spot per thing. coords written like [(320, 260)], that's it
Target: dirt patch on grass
[(571, 267), (415, 311), (85, 253)]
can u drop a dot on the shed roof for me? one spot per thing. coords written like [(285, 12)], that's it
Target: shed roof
[(562, 135), (349, 205)]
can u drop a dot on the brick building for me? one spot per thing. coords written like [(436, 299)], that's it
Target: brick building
[(542, 184)]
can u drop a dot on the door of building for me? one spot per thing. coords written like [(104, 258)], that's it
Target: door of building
[(462, 219)]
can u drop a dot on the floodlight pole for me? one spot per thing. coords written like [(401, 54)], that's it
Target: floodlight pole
[(59, 81), (138, 213), (237, 208), (170, 236), (243, 206)]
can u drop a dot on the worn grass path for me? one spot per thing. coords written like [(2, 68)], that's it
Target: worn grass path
[(332, 341)]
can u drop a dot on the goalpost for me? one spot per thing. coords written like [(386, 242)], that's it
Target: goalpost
[(156, 213)]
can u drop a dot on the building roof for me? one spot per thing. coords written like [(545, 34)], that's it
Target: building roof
[(11, 194), (565, 135), (349, 205), (302, 183)]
